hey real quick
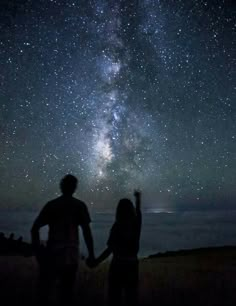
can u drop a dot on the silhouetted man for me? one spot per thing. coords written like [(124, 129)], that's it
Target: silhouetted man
[(59, 261)]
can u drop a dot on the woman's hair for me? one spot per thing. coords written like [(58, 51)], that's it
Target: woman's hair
[(125, 212)]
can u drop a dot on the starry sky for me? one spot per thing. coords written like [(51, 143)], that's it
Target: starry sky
[(122, 94)]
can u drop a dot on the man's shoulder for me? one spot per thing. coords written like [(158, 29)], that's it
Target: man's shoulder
[(81, 210), (62, 199), (53, 201), (75, 204), (79, 203)]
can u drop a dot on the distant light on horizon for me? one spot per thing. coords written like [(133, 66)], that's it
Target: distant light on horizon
[(159, 211)]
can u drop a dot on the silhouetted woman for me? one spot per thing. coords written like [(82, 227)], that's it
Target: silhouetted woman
[(123, 243)]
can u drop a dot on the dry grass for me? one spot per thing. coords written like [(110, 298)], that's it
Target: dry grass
[(196, 280)]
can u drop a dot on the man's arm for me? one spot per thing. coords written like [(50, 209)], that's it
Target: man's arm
[(40, 221), (35, 236), (88, 238)]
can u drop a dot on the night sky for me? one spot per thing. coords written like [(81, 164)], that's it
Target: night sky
[(122, 94)]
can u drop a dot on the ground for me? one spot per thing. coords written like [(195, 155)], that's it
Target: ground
[(196, 279)]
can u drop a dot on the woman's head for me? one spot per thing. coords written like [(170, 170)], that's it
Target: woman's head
[(125, 212)]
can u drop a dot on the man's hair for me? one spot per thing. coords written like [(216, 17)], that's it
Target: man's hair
[(68, 184)]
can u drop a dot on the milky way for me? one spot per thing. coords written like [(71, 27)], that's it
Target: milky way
[(122, 94)]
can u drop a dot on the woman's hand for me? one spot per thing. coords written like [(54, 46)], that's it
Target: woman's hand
[(137, 194)]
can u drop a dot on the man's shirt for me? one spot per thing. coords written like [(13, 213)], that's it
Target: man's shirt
[(63, 216)]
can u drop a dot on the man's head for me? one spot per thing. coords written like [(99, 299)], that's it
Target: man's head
[(68, 184)]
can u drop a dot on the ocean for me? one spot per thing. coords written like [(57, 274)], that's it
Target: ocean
[(160, 231)]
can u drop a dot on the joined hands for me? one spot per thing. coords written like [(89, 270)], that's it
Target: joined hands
[(91, 262)]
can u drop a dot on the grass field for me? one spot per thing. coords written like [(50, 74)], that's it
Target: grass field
[(185, 280)]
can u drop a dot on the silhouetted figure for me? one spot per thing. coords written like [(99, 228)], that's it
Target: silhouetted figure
[(123, 243), (58, 261)]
